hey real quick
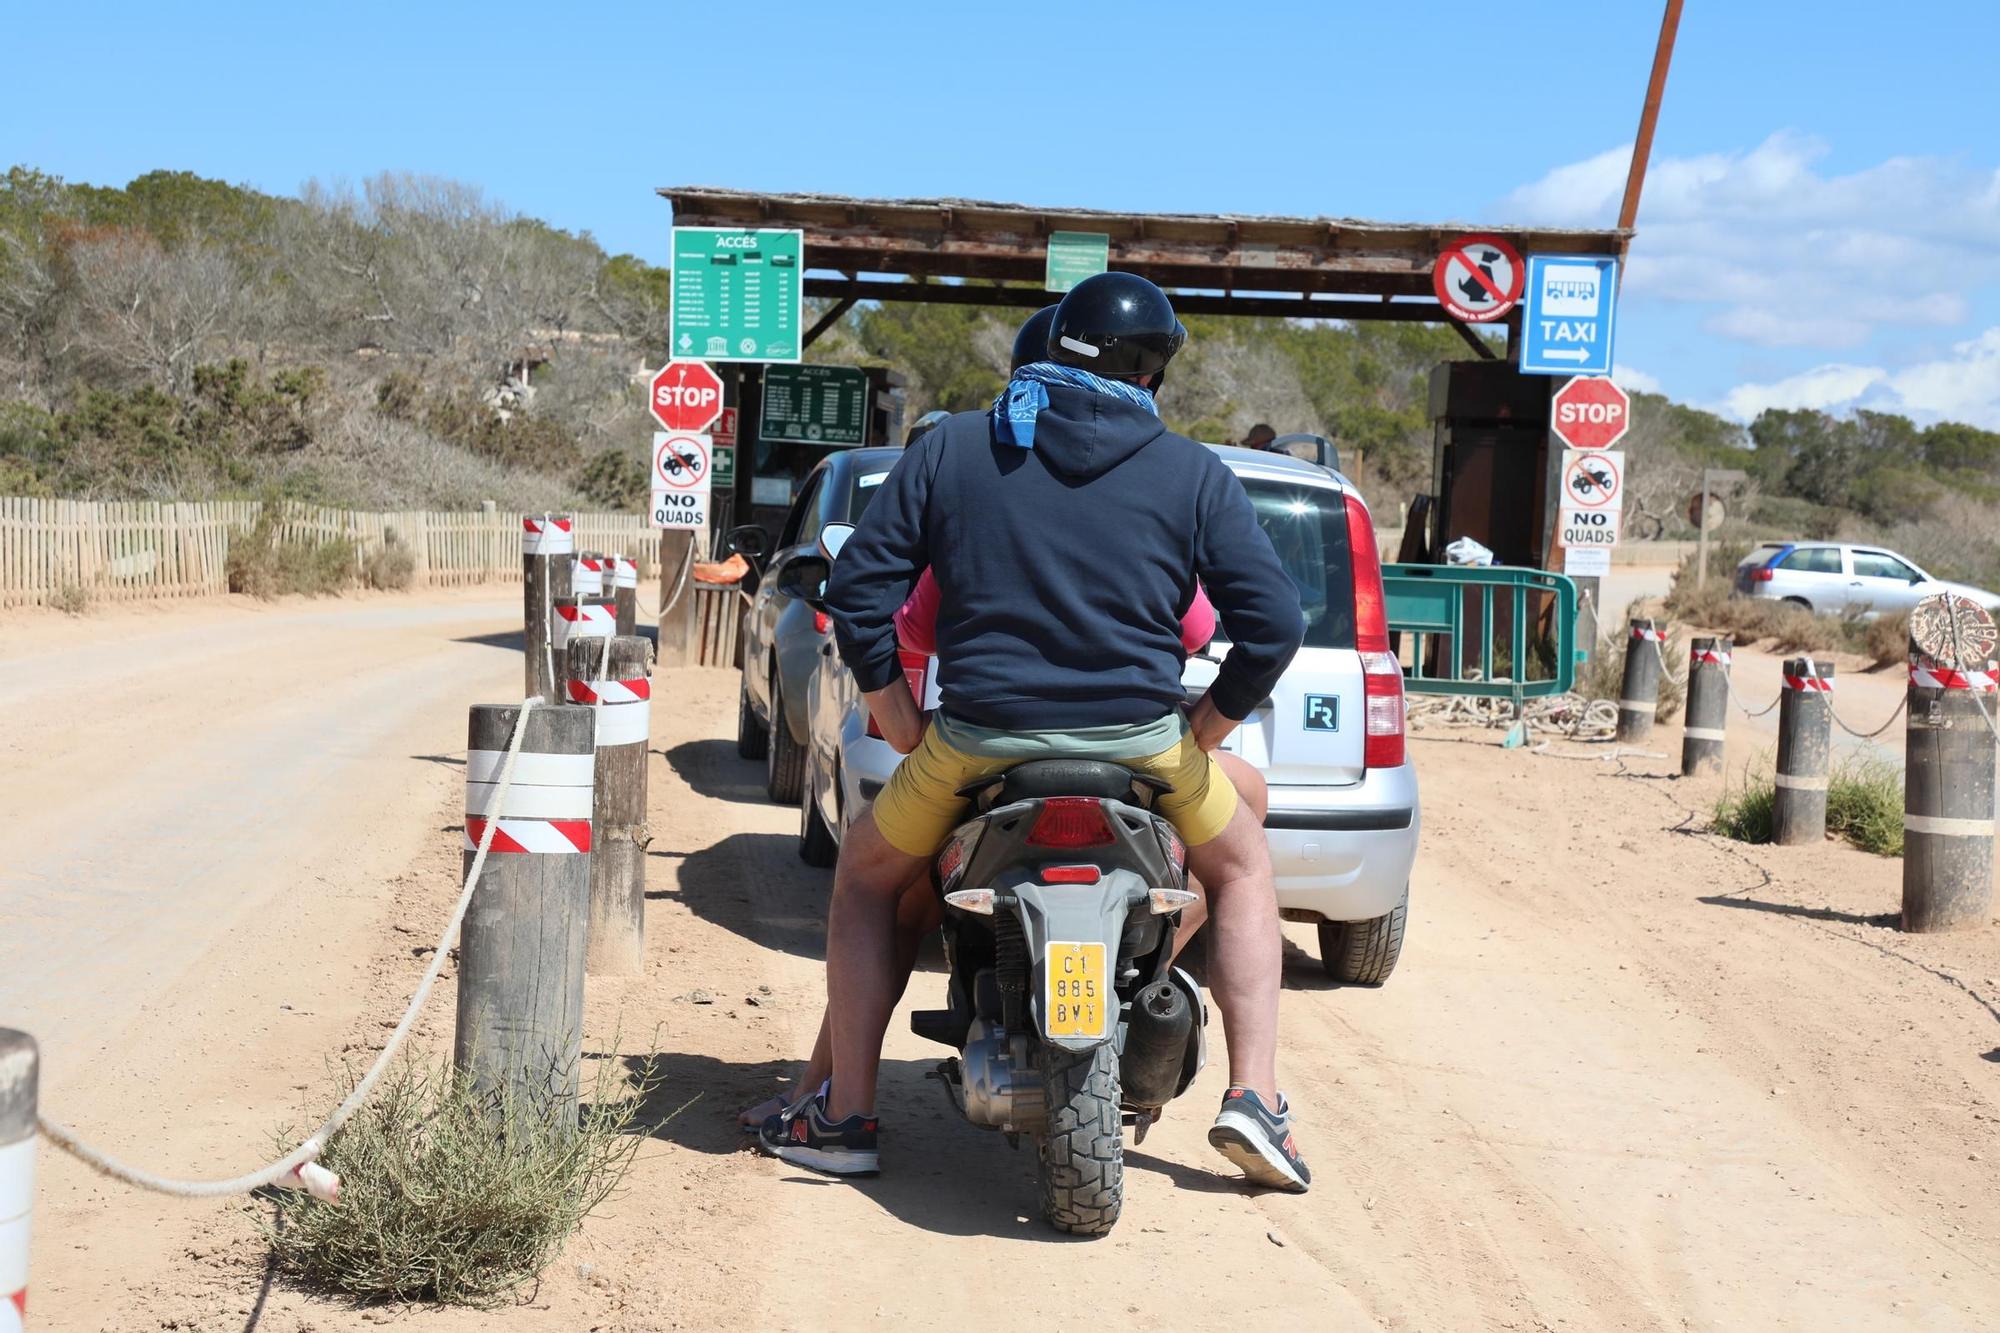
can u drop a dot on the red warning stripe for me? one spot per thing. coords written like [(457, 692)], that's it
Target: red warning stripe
[(1656, 635), (1820, 683), (531, 835), (1718, 656), (1943, 678), (610, 691), (538, 525)]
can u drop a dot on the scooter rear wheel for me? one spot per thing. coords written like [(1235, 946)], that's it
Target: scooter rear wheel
[(1082, 1150)]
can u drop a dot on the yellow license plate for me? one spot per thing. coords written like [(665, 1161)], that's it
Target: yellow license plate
[(1077, 1001)]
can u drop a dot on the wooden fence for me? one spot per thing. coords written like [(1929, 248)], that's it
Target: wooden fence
[(59, 550)]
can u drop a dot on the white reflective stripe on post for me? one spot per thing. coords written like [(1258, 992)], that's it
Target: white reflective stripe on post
[(1948, 828), (540, 770), (1639, 705), (528, 802), (1942, 678), (17, 1197), (586, 578), (1704, 733), (546, 536), (624, 573), (585, 622), (1796, 783), (622, 724)]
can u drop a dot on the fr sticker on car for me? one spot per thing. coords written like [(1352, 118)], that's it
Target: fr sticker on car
[(1322, 712)]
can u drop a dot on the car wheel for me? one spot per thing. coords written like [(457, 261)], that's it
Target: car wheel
[(1364, 953), (752, 736), (785, 760), (1800, 602), (816, 844)]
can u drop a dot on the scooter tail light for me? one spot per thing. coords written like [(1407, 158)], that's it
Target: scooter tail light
[(978, 901), (1171, 900), (822, 622), (1071, 874), (1071, 821)]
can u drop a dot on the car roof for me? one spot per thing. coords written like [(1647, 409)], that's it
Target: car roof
[(1278, 467)]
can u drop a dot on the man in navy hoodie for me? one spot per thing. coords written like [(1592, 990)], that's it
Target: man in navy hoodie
[(1066, 529)]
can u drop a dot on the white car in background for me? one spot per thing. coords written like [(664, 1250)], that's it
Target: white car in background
[(1343, 819), (1841, 578)]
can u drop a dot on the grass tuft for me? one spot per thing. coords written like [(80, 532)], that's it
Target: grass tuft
[(450, 1195), (1864, 805)]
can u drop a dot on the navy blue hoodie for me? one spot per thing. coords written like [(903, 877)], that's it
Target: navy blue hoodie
[(1065, 569)]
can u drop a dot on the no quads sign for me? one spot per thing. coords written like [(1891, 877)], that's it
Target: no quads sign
[(682, 463), (1593, 496), (1478, 278)]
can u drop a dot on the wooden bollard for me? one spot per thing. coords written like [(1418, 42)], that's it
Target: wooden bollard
[(580, 618), (19, 1074), (1707, 707), (1639, 696), (546, 548), (1805, 738), (520, 966), (621, 697), (625, 593), (1948, 752), (586, 575)]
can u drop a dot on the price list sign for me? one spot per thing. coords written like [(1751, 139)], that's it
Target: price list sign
[(814, 405), (737, 294)]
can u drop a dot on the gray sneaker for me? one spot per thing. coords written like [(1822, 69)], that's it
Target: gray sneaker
[(1259, 1142)]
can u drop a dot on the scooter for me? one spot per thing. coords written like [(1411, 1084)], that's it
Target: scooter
[(1062, 894)]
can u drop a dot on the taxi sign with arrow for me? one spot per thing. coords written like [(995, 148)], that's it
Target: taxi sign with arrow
[(1478, 278)]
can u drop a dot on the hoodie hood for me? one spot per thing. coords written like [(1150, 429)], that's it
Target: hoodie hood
[(1081, 435)]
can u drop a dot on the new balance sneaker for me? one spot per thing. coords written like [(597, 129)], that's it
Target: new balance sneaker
[(805, 1137), (1259, 1142)]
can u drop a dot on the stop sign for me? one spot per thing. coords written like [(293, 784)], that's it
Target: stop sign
[(1591, 413), (686, 396)]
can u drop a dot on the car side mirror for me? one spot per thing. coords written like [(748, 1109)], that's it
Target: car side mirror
[(834, 536), (805, 578), (749, 541)]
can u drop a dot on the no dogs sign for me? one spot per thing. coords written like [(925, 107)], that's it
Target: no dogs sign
[(1478, 278)]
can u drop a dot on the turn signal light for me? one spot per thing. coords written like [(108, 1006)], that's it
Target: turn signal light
[(1071, 821), (979, 901), (1171, 900)]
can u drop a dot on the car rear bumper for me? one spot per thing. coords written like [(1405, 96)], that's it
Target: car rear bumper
[(1345, 853)]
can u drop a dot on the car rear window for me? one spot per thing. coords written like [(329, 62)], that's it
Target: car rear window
[(864, 486), (1307, 526), (1764, 555), (1813, 560)]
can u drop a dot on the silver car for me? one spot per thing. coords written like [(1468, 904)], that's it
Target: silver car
[(1840, 578), (1343, 818)]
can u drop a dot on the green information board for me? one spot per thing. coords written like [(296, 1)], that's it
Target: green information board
[(738, 295), (722, 473), (1074, 256), (814, 405)]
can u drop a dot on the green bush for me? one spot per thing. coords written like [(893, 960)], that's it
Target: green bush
[(1744, 813), (1864, 805), (615, 479), (451, 1195), (263, 566)]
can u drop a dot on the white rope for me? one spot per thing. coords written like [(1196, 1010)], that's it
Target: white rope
[(1569, 715), (291, 1163), (1660, 650), (687, 567)]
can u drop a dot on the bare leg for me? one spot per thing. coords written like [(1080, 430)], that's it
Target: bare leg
[(1244, 954), (1249, 784), (863, 974)]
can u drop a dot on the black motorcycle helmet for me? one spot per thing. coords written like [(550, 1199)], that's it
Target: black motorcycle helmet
[(1118, 325), (1032, 342)]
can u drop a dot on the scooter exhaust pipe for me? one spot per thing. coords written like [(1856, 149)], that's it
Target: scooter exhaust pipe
[(1156, 1039)]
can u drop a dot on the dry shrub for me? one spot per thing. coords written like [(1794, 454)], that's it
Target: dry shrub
[(263, 566), (390, 567), (1886, 639), (72, 599), (452, 1195)]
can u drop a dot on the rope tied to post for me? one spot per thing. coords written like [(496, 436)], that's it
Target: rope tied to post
[(299, 1168)]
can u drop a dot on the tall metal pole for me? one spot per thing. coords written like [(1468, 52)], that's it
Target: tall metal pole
[(1701, 537), (1642, 147)]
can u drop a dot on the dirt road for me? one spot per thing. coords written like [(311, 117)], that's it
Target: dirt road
[(1627, 1077)]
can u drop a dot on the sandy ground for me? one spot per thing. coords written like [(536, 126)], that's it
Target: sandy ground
[(1627, 1076)]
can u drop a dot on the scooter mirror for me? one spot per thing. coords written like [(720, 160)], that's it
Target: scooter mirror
[(834, 536)]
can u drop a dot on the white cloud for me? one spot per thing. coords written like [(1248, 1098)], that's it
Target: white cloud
[(1784, 255), (1635, 379), (1823, 387)]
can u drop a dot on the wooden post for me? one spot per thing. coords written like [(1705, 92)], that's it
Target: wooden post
[(625, 593), (546, 548), (620, 694), (19, 1074), (1948, 751), (586, 575), (520, 968), (1707, 707), (1805, 735), (679, 628), (1639, 698)]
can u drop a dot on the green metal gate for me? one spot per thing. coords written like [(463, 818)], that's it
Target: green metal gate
[(1454, 616)]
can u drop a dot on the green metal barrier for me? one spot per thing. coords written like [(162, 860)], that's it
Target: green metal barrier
[(1448, 612)]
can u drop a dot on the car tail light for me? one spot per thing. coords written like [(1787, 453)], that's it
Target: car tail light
[(1071, 874), (1382, 674), (821, 622), (916, 671), (1764, 575), (1071, 821)]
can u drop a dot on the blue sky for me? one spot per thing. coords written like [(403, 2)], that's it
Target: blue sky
[(1821, 228)]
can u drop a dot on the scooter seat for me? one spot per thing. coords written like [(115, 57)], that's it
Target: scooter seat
[(1068, 777)]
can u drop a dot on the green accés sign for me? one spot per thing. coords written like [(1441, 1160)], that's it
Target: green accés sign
[(738, 294), (814, 405), (1074, 256)]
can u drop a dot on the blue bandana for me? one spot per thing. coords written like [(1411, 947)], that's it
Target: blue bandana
[(1015, 410)]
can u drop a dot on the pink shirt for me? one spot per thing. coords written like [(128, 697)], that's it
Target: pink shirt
[(916, 619)]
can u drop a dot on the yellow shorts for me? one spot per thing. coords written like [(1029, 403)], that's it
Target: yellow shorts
[(921, 805)]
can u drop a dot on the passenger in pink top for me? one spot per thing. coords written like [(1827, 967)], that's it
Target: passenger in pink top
[(916, 619)]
